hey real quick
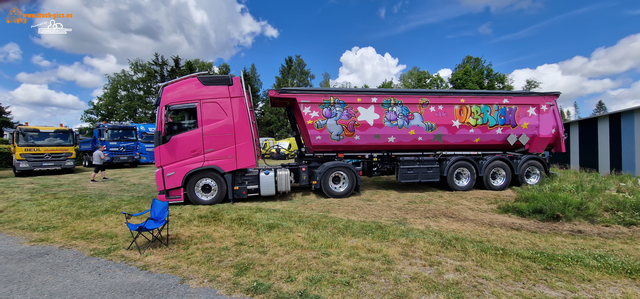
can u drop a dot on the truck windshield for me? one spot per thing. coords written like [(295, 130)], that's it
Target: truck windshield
[(45, 139), (147, 138), (120, 135)]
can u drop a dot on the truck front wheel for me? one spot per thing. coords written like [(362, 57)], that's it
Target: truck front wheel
[(206, 188), (461, 176), (497, 176), (531, 173), (338, 182)]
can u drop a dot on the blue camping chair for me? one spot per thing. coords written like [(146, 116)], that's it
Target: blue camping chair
[(152, 228)]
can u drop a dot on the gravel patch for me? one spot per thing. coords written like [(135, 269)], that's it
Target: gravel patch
[(47, 271)]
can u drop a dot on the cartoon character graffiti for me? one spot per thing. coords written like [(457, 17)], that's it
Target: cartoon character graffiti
[(334, 110), (397, 114)]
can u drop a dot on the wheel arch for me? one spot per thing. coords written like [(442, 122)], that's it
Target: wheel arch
[(489, 160), (528, 158), (227, 177), (454, 160)]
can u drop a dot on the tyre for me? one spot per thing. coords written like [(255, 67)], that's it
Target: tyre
[(338, 182), (497, 176), (133, 165), (86, 161), (531, 173), (461, 176), (206, 188)]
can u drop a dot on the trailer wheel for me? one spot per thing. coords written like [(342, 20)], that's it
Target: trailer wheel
[(338, 182), (461, 176), (206, 188), (531, 173), (497, 176)]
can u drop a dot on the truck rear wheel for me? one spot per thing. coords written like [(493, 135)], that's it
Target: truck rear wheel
[(338, 182), (497, 176), (86, 161), (531, 173), (461, 176), (206, 188)]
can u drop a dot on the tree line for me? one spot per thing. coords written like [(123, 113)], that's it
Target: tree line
[(128, 95)]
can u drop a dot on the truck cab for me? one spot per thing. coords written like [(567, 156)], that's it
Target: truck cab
[(145, 138), (121, 141), (40, 148)]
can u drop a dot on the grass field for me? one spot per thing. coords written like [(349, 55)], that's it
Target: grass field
[(392, 241)]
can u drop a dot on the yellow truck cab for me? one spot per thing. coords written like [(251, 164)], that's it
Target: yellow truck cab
[(39, 148), (284, 149), (266, 143)]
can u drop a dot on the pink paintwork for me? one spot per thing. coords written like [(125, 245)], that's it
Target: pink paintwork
[(223, 139), (429, 123)]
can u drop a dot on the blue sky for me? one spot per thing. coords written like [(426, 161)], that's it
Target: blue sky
[(588, 50)]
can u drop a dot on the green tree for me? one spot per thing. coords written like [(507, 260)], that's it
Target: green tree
[(175, 70), (6, 119), (127, 96), (531, 84), (476, 74), (576, 110), (568, 114), (326, 80), (601, 108), (224, 69), (293, 73), (202, 66), (562, 114), (254, 85), (421, 79), (386, 84)]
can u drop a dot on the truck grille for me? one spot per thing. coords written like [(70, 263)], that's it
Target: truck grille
[(124, 150), (46, 157)]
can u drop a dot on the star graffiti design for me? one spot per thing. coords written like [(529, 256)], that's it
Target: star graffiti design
[(553, 131), (456, 123), (437, 137), (306, 110), (357, 137), (471, 131), (374, 100), (318, 137), (532, 111), (525, 125), (359, 100), (433, 109), (412, 132), (376, 136), (505, 101), (544, 108), (477, 139), (462, 100), (368, 114), (309, 121), (392, 139), (314, 114), (440, 107), (499, 130), (420, 138)]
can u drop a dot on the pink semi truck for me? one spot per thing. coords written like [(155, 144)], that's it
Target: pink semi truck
[(207, 143)]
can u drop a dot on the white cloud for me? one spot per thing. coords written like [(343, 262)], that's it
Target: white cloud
[(485, 29), (37, 104), (10, 52), (496, 5), (365, 66), (89, 73), (621, 57), (381, 12), (126, 29), (582, 76), (39, 60), (97, 92), (445, 73)]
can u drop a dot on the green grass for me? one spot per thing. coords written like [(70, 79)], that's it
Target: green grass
[(585, 196), (392, 241)]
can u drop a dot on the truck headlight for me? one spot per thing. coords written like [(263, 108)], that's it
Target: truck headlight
[(69, 163), (23, 164)]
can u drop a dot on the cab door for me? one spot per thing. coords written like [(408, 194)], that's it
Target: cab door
[(180, 147)]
